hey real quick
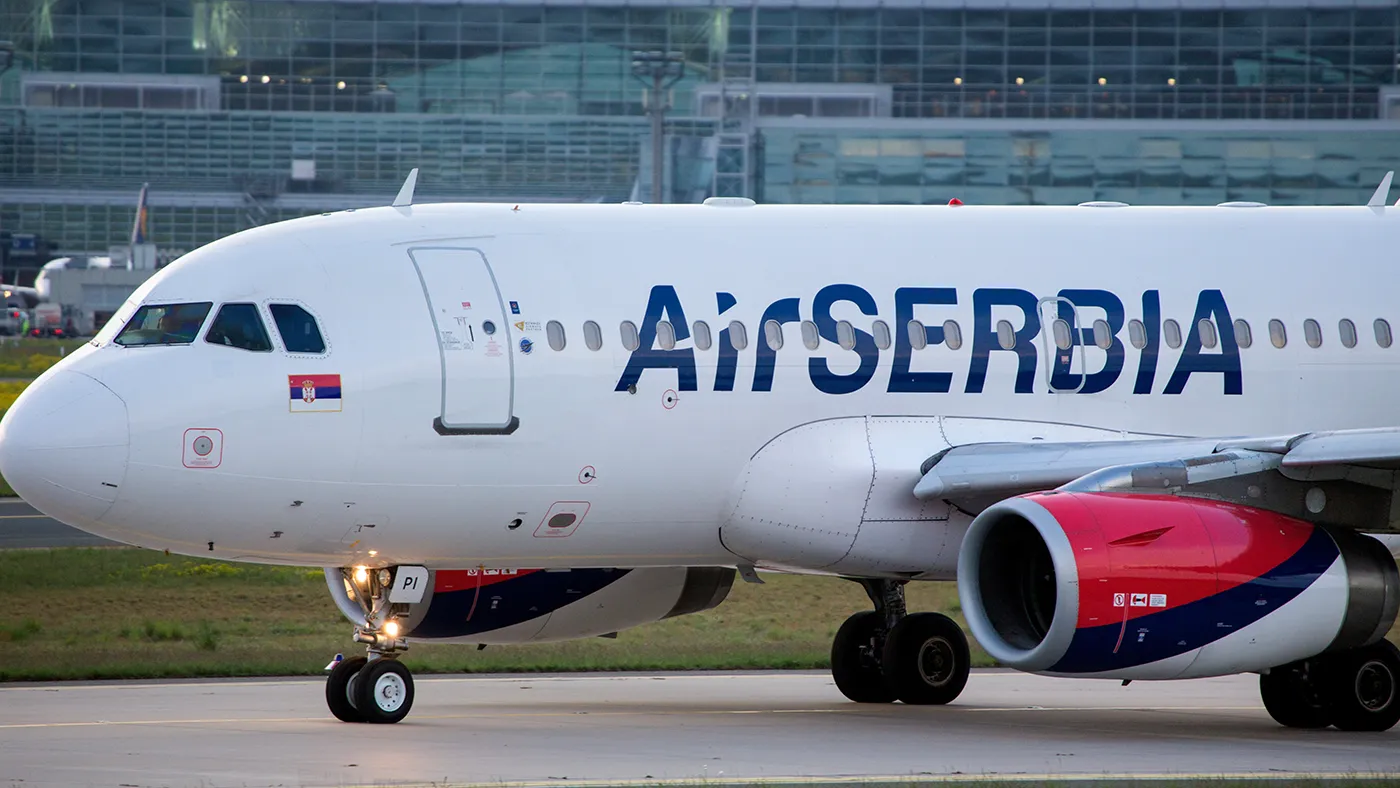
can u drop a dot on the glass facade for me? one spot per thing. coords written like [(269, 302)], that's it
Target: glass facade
[(257, 110)]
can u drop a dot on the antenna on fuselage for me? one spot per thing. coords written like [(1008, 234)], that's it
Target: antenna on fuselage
[(405, 197), (1382, 195)]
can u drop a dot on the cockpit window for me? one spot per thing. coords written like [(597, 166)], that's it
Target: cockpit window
[(164, 324), (240, 326), (298, 328)]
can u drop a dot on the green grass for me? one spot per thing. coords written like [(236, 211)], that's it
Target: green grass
[(126, 613)]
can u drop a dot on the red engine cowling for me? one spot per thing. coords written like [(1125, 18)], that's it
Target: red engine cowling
[(1156, 587)]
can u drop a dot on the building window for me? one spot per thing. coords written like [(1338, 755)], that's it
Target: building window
[(1171, 332), (1137, 334), (630, 340), (1348, 331), (554, 332), (952, 334), (918, 337), (881, 329), (701, 332), (1278, 335), (846, 335), (811, 339), (592, 335), (1208, 334), (1244, 337), (1383, 337), (665, 335), (1312, 333), (738, 335)]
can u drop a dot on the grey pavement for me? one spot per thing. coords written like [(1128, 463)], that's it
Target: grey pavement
[(690, 728), (21, 525)]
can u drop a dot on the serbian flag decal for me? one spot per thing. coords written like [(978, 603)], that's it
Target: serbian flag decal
[(314, 393)]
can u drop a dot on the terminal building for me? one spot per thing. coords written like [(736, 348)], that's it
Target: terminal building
[(242, 112)]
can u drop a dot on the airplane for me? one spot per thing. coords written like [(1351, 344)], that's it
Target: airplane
[(1148, 443)]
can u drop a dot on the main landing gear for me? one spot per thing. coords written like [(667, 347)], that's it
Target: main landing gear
[(887, 654), (1355, 690), (375, 688)]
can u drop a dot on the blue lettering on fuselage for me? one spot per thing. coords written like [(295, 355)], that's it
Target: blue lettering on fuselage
[(1097, 319)]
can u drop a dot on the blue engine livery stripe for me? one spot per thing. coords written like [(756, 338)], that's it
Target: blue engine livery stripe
[(1175, 631), (510, 602)]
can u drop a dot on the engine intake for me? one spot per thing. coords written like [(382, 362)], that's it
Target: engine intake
[(1155, 586)]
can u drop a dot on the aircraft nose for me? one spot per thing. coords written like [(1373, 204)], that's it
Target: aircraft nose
[(63, 446)]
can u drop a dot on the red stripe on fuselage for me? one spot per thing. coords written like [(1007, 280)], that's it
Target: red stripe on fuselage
[(1207, 547)]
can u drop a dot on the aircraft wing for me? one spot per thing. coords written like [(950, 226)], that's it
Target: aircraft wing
[(1355, 470)]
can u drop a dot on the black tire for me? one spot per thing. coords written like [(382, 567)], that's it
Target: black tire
[(384, 691), (340, 690), (1291, 697), (926, 661), (1364, 688), (855, 663)]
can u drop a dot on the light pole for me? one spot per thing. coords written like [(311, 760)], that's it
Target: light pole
[(660, 70)]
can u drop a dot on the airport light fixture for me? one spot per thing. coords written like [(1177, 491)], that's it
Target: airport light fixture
[(659, 71)]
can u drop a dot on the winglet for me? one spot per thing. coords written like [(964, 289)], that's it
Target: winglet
[(405, 197), (1382, 195)]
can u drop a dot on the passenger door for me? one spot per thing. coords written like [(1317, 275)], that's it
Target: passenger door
[(473, 340), (1061, 345)]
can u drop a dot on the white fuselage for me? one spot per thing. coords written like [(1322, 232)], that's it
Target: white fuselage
[(651, 474)]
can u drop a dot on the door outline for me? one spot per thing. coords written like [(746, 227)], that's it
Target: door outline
[(1047, 342), (439, 426)]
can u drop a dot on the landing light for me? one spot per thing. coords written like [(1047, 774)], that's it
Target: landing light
[(361, 575), (391, 628), (385, 577)]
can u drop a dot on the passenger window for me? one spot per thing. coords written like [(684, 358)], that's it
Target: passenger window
[(773, 334), (1137, 334), (164, 324), (1171, 332), (1060, 328), (1244, 337), (811, 339), (701, 332), (298, 329), (1209, 339), (592, 335), (1103, 335), (1312, 333), (738, 335), (1006, 335), (630, 341), (952, 334), (554, 332), (1383, 337), (240, 326), (666, 335), (881, 330), (846, 335), (1277, 333), (1348, 331), (918, 337)]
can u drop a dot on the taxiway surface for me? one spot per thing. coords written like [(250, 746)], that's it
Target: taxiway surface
[(713, 727), (21, 525)]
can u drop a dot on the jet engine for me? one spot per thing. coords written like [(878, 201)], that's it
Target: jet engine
[(1144, 586), (498, 606)]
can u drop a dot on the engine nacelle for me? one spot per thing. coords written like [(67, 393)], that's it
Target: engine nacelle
[(498, 606), (1159, 587)]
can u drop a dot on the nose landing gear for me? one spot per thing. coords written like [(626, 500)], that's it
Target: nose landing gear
[(888, 654), (376, 688)]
